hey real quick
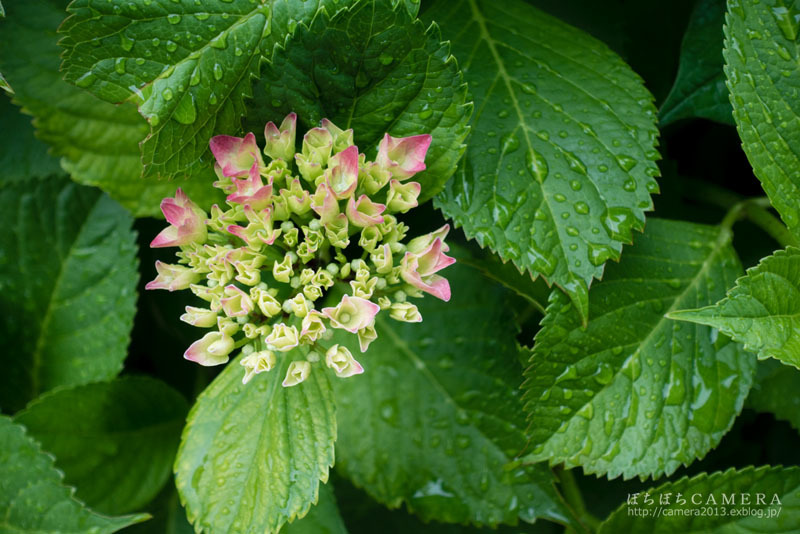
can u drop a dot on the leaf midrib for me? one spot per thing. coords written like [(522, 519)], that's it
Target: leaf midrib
[(421, 366), (48, 315), (722, 240)]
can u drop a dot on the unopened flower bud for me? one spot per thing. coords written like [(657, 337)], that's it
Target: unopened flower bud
[(341, 360), (298, 371)]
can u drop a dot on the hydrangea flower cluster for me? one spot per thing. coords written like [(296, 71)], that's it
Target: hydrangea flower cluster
[(265, 264)]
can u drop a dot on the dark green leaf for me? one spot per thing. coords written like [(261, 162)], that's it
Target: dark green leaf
[(253, 455), (115, 441), (99, 142), (361, 514), (534, 291), (763, 69), (699, 89), (636, 393), (762, 311), (33, 499), (388, 75), (561, 161), (776, 390), (189, 66), (22, 156), (68, 275), (323, 518), (169, 517), (749, 483), (436, 416)]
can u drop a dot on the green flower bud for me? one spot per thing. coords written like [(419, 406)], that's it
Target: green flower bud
[(283, 338), (282, 271), (257, 362), (298, 371)]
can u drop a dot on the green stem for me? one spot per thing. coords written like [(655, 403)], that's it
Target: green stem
[(755, 210), (572, 496), (771, 225)]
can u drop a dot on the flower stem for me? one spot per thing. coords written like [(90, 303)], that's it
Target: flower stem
[(755, 210), (572, 496)]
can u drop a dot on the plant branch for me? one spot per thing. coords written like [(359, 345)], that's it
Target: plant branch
[(572, 496), (755, 210)]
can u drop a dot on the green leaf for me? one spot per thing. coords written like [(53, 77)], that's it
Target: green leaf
[(254, 454), (762, 311), (33, 498), (699, 89), (776, 390), (323, 518), (436, 419), (761, 63), (22, 157), (169, 517), (68, 275), (388, 75), (635, 393), (99, 142), (560, 164), (188, 66), (362, 514), (749, 483), (534, 292), (115, 441)]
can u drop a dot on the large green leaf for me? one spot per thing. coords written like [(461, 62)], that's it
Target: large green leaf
[(776, 390), (762, 311), (388, 74), (534, 291), (252, 456), (323, 518), (99, 141), (699, 89), (68, 275), (168, 516), (115, 441), (188, 65), (436, 418), (22, 156), (362, 514), (636, 393), (763, 70), (560, 164), (33, 498), (693, 513)]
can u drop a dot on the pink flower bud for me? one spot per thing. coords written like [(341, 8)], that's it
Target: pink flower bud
[(342, 173), (364, 212), (418, 270), (212, 349), (252, 191), (341, 360), (341, 138), (280, 141), (418, 244), (199, 317), (236, 303), (187, 222), (172, 277), (324, 203), (403, 156), (236, 155), (260, 230), (352, 314)]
